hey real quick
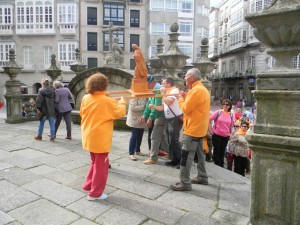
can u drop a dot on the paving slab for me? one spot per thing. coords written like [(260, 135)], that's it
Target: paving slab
[(229, 217), (43, 212), (152, 209), (62, 177), (83, 221), (90, 209), (188, 202), (29, 153), (135, 186), (119, 215), (231, 201), (5, 218), (22, 163), (13, 196), (130, 171), (11, 146), (53, 191), (42, 170), (4, 165), (195, 219), (18, 176), (74, 164)]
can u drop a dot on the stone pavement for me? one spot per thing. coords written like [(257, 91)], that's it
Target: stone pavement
[(40, 184)]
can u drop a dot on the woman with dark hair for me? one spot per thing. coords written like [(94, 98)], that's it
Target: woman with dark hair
[(221, 130), (98, 112), (238, 146)]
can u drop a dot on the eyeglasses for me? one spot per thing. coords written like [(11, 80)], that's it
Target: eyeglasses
[(226, 104), (236, 126), (245, 126)]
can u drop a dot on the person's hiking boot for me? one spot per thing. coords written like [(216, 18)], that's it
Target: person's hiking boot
[(181, 187), (171, 163), (38, 138), (198, 181), (150, 161)]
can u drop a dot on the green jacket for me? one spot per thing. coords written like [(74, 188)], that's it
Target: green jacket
[(152, 113)]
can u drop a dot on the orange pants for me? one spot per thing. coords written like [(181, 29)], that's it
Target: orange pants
[(97, 176)]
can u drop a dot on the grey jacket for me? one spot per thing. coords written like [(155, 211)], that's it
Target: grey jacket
[(135, 111), (63, 98), (45, 101)]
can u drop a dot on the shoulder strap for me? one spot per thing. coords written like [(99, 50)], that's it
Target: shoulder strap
[(171, 110)]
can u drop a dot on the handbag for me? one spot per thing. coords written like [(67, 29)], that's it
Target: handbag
[(39, 114), (179, 117)]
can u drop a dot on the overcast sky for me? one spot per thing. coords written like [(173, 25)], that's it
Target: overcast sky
[(214, 3)]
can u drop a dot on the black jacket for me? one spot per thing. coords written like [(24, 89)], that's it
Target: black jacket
[(45, 101)]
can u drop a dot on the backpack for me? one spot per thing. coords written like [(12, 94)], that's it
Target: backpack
[(219, 113), (238, 145)]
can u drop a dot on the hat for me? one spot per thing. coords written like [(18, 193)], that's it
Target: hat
[(150, 79)]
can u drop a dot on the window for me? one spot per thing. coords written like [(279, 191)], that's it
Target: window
[(47, 56), (67, 13), (186, 28), (186, 49), (296, 61), (203, 10), (117, 33), (6, 16), (4, 52), (242, 65), (91, 16), (34, 17), (258, 5), (92, 63), (91, 41), (163, 5), (202, 32), (27, 51), (232, 65), (134, 39), (135, 1), (134, 18), (113, 12), (159, 28), (252, 62), (185, 6), (224, 69), (66, 54)]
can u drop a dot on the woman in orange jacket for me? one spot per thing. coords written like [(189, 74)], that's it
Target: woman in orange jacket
[(98, 112)]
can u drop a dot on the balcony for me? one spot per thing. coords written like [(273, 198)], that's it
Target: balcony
[(30, 29), (6, 29), (67, 28), (65, 65)]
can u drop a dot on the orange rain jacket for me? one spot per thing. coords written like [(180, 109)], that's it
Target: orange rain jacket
[(98, 113), (195, 108)]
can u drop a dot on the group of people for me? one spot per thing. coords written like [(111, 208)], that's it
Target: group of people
[(53, 104), (163, 114), (228, 137)]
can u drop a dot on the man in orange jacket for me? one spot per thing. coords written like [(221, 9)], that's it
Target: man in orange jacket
[(195, 107)]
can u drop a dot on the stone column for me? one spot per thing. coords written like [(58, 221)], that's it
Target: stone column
[(13, 94), (53, 72), (275, 179), (205, 65)]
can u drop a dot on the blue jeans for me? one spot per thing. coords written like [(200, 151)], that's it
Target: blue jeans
[(51, 124), (135, 140)]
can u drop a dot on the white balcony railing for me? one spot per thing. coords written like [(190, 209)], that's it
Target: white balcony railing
[(65, 65), (35, 29), (67, 28), (6, 29)]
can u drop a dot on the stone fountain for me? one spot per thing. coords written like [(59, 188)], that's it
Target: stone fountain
[(275, 141), (77, 66), (204, 64), (173, 60), (155, 62), (13, 94)]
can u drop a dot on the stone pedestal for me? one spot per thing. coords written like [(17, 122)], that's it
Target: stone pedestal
[(275, 190), (139, 86), (14, 100)]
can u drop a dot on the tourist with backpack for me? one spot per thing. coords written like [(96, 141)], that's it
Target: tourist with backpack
[(221, 130)]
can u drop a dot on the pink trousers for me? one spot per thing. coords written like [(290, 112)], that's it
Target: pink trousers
[(97, 176)]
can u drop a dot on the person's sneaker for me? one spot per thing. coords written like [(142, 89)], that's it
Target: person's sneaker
[(181, 187), (197, 181), (162, 153), (171, 163), (150, 161), (69, 138), (50, 136), (39, 138), (52, 139), (102, 197)]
